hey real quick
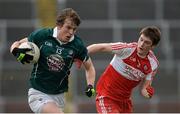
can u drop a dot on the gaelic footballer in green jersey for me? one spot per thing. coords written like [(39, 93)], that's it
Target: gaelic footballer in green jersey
[(59, 47), (50, 74)]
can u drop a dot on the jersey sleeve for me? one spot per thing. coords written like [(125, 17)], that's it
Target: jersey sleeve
[(154, 64), (117, 48), (121, 48), (151, 75), (83, 54)]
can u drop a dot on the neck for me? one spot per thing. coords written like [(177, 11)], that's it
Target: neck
[(142, 55)]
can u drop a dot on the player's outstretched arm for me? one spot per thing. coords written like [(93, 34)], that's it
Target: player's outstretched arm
[(101, 47)]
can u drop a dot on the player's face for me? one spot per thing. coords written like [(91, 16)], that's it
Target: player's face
[(144, 45), (66, 31)]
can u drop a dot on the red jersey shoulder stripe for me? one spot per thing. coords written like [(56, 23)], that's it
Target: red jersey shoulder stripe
[(120, 45)]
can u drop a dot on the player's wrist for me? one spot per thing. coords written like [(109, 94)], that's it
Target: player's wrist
[(90, 85)]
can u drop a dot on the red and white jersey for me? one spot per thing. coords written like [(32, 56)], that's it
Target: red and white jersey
[(125, 71), (130, 65)]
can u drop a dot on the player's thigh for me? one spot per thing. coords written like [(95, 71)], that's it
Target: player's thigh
[(51, 107), (125, 106), (38, 100), (106, 105)]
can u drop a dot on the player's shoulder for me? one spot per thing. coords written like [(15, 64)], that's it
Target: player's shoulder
[(132, 44), (40, 35), (153, 58), (77, 38), (78, 41), (43, 32)]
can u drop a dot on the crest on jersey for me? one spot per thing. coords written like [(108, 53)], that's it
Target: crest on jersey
[(70, 52), (145, 67), (133, 59)]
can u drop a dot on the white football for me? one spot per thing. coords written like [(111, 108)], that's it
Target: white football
[(35, 52)]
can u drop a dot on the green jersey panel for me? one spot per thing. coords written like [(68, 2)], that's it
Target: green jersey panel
[(50, 74)]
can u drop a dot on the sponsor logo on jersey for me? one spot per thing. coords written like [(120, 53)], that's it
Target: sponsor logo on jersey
[(55, 63), (134, 73)]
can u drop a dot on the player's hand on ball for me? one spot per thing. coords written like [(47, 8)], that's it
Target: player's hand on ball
[(20, 54), (148, 92), (90, 91)]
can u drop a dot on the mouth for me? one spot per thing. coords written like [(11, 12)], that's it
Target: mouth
[(141, 49), (68, 37)]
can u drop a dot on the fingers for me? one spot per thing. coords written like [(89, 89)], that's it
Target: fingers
[(150, 91), (26, 59), (145, 93), (24, 50), (27, 49)]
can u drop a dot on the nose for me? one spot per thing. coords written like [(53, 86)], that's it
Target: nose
[(141, 44)]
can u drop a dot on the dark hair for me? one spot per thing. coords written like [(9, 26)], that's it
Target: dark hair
[(68, 13), (153, 33)]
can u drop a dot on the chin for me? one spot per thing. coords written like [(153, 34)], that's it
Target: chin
[(139, 51), (66, 41)]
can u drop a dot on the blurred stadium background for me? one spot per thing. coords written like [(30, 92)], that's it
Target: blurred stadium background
[(103, 21)]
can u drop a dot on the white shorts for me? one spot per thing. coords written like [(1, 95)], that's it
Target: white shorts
[(37, 99)]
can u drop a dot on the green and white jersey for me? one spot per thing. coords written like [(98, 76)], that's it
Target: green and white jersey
[(50, 74)]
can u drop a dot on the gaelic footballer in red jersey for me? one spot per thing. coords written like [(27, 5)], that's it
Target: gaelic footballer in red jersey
[(132, 63)]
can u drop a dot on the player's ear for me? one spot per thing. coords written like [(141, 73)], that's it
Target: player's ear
[(153, 46), (59, 26)]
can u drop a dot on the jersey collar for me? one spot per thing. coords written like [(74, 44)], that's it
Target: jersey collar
[(55, 36)]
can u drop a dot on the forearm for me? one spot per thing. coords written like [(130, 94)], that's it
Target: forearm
[(90, 76), (102, 47), (90, 72)]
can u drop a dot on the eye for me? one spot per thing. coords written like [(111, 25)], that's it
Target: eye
[(141, 39), (75, 28), (68, 27), (148, 42)]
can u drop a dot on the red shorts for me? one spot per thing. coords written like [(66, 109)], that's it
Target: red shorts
[(107, 105)]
